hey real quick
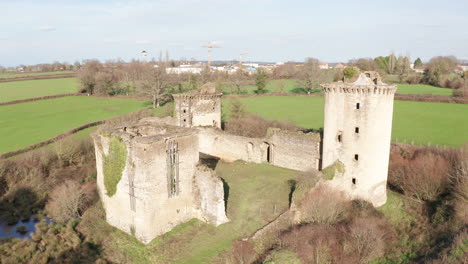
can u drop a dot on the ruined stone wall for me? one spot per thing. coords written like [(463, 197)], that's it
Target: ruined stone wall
[(230, 147), (206, 111), (295, 150), (198, 110), (209, 192), (287, 149)]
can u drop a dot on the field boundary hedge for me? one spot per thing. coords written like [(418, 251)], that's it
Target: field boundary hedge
[(39, 77), (402, 97), (38, 98), (51, 140), (431, 98)]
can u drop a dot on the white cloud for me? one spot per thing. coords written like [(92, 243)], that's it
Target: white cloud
[(142, 42), (110, 41), (47, 28)]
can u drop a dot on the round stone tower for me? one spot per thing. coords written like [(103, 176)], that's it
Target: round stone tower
[(357, 133)]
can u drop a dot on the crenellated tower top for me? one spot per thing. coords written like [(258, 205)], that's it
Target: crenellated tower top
[(368, 82)]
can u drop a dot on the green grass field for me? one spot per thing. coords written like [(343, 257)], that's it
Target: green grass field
[(413, 122), (28, 74), (25, 124), (10, 91), (196, 242), (273, 86), (422, 89), (294, 86)]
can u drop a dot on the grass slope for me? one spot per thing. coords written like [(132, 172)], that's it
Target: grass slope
[(25, 124), (257, 194), (422, 89), (413, 122), (10, 91)]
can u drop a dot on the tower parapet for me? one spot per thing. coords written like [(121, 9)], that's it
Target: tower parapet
[(199, 108), (357, 132)]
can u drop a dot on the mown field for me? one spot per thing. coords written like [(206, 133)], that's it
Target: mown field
[(422, 89), (28, 74), (273, 86), (196, 242), (413, 122), (25, 124), (10, 91), (295, 86)]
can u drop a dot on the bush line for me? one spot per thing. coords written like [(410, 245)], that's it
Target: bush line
[(38, 98), (38, 77)]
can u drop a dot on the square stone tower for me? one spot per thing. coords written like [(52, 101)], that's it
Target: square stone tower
[(147, 177), (199, 108), (357, 133)]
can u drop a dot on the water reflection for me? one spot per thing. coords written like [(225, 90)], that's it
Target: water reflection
[(10, 231)]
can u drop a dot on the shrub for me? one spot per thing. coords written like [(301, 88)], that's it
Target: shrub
[(237, 109), (114, 164), (261, 79), (349, 72), (22, 229), (65, 201), (413, 79), (243, 252), (256, 126), (365, 239), (424, 175), (322, 205)]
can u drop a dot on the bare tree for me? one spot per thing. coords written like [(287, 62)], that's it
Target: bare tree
[(87, 75), (65, 201), (154, 84), (312, 76)]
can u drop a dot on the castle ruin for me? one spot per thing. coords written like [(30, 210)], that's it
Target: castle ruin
[(150, 178)]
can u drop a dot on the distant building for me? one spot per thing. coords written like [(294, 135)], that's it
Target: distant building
[(419, 69), (323, 65), (184, 69)]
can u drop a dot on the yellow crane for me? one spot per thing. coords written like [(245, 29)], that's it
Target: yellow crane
[(209, 47)]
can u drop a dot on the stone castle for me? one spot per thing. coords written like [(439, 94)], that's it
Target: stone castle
[(150, 177)]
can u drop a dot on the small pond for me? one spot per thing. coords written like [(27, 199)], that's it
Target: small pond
[(10, 231)]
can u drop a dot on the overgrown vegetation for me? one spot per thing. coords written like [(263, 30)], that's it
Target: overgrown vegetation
[(114, 164), (256, 126)]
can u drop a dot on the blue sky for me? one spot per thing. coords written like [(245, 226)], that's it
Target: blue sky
[(45, 31)]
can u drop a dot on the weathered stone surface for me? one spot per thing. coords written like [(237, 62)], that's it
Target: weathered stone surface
[(210, 195), (199, 107), (142, 204), (287, 149)]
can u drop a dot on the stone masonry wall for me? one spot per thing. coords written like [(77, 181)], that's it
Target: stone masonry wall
[(209, 191), (287, 149), (295, 150)]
